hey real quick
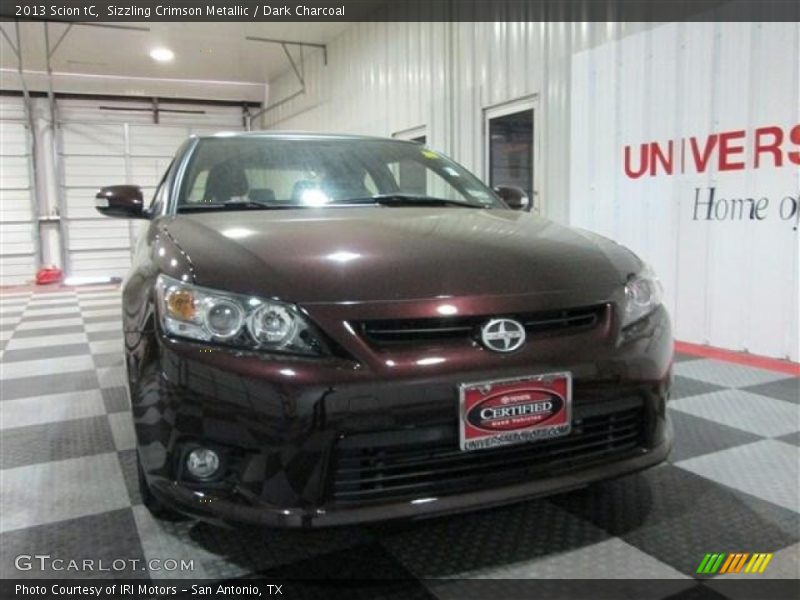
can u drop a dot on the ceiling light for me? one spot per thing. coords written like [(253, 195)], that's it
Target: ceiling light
[(162, 54)]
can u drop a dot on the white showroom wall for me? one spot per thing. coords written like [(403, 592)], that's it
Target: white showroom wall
[(717, 216), (599, 87), (387, 77)]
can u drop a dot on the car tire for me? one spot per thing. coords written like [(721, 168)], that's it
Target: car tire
[(157, 508)]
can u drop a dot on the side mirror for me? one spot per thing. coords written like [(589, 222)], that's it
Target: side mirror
[(123, 201), (514, 197)]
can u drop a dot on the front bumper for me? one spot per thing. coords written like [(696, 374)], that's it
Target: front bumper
[(308, 445), (227, 511)]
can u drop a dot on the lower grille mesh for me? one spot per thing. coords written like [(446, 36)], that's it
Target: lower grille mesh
[(376, 473)]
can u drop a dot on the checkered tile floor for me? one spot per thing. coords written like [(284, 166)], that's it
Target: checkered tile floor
[(68, 481)]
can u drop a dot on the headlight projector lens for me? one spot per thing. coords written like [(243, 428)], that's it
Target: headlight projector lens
[(273, 324), (202, 463), (642, 296), (223, 318)]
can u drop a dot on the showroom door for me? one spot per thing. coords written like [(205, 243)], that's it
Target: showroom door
[(18, 246), (511, 147), (113, 142)]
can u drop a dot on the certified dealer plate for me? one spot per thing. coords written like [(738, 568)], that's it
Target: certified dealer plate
[(515, 411)]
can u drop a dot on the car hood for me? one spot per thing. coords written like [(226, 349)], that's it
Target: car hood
[(386, 254)]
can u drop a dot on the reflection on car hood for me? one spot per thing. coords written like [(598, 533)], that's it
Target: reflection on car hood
[(375, 254)]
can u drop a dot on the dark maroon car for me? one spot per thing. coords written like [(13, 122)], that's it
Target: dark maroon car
[(324, 329)]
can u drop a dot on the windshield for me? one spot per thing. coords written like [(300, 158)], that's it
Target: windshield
[(301, 173)]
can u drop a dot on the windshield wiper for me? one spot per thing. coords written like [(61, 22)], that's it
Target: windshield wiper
[(407, 200), (244, 205), (391, 200)]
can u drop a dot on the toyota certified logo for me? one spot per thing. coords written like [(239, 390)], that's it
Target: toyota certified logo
[(503, 335)]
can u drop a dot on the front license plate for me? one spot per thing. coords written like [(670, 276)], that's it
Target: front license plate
[(515, 411)]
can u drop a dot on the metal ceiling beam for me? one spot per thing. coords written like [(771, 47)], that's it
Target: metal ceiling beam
[(323, 47), (14, 49), (298, 71), (294, 65), (51, 52)]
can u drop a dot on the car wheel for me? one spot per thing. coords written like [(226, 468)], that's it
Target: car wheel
[(157, 508)]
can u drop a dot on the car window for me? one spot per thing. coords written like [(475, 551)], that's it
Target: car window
[(198, 187), (370, 184), (273, 182), (410, 175), (157, 202), (303, 172)]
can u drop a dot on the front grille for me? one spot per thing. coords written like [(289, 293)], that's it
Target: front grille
[(394, 466), (400, 331)]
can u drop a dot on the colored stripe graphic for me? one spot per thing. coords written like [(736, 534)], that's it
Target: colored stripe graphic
[(703, 564), (740, 564), (732, 558), (711, 563), (758, 563), (765, 563), (721, 562)]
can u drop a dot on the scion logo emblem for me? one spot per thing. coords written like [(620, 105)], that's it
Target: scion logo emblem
[(503, 335)]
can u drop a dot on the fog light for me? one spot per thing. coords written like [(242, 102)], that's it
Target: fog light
[(202, 463)]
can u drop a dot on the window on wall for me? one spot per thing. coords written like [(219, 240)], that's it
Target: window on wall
[(511, 150)]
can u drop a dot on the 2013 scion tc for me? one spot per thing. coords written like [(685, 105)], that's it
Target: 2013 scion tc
[(325, 329)]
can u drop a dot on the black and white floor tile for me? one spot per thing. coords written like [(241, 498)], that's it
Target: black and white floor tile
[(68, 482)]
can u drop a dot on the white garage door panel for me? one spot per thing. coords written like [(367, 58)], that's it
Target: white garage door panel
[(13, 139), (93, 172), (156, 140), (17, 227), (80, 204), (15, 270), (14, 172), (17, 238), (100, 263), (107, 147), (15, 205), (93, 139), (211, 130), (12, 110), (100, 233), (147, 172)]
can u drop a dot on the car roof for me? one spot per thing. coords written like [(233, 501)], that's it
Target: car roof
[(299, 135)]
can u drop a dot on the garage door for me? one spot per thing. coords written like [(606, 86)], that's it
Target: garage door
[(105, 143), (17, 223)]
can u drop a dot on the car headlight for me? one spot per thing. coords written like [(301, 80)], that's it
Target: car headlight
[(643, 294), (248, 322)]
